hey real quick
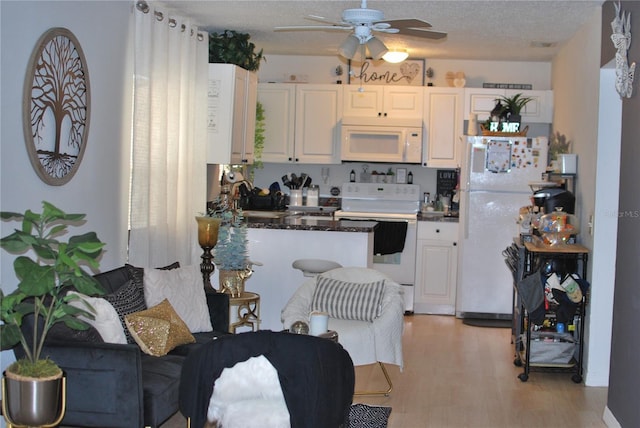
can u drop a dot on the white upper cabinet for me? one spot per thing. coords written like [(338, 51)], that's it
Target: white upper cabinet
[(318, 117), (443, 127), (231, 114), (383, 102), (279, 103), (482, 100), (302, 122)]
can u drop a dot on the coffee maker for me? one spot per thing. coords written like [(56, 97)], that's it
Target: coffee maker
[(553, 199)]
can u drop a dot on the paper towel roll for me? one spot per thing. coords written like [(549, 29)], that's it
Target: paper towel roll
[(318, 323), (472, 128)]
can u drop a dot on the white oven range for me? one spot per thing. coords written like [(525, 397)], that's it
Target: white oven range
[(387, 203)]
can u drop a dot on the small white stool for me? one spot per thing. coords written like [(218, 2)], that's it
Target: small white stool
[(313, 267)]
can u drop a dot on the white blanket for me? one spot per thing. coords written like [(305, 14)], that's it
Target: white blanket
[(248, 395), (366, 342)]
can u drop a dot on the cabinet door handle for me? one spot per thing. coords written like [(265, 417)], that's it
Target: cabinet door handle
[(290, 159), (385, 114), (379, 113), (455, 244), (437, 230)]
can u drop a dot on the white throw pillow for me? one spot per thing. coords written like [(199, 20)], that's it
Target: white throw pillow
[(106, 321), (184, 288)]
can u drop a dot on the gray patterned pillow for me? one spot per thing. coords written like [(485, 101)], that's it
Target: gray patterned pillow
[(126, 300), (347, 300)]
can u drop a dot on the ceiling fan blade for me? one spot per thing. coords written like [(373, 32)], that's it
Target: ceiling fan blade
[(312, 27), (425, 34), (408, 23), (323, 19)]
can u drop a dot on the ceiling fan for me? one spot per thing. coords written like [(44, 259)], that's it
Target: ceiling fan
[(363, 22)]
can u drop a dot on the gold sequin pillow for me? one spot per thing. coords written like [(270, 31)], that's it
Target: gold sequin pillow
[(159, 329)]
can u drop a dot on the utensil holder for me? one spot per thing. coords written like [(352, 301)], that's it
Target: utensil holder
[(295, 197)]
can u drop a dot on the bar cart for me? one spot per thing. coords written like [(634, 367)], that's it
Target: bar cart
[(569, 345)]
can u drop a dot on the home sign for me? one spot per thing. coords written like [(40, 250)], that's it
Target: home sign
[(504, 127), (380, 72)]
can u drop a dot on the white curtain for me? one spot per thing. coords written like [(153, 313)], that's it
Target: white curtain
[(168, 175)]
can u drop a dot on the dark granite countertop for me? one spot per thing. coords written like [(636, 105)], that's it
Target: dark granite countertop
[(311, 222)]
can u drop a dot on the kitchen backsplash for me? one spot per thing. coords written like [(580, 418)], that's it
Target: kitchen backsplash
[(339, 174)]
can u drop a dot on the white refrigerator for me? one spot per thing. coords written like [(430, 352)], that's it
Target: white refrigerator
[(494, 184)]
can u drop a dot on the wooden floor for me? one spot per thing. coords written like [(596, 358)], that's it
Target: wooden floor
[(462, 376)]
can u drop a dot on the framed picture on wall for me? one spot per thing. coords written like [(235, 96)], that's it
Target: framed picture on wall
[(379, 72), (401, 175), (56, 106)]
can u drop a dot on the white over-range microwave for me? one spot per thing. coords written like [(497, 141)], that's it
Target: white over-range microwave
[(391, 144)]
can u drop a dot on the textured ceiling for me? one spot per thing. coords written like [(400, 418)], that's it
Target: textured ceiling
[(477, 30)]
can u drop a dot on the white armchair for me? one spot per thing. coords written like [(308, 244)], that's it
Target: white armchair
[(378, 341)]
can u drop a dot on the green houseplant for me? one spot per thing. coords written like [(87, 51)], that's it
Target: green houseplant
[(42, 289), (258, 145), (232, 47), (513, 106)]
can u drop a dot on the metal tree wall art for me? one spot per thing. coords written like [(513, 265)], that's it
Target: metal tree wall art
[(56, 106), (621, 38)]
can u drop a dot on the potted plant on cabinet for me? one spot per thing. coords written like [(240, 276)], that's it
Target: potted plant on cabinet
[(232, 47), (513, 106), (42, 294)]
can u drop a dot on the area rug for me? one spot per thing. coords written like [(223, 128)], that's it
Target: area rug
[(363, 416)]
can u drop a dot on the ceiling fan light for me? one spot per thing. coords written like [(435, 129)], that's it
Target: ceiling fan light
[(349, 47), (376, 48), (395, 56)]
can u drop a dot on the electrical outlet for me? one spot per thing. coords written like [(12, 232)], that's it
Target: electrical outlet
[(590, 225)]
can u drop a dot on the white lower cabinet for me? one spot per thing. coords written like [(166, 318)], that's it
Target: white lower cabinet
[(436, 268)]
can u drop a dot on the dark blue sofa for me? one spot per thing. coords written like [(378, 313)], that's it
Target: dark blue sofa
[(118, 386)]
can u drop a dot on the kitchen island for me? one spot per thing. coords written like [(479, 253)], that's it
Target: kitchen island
[(279, 240)]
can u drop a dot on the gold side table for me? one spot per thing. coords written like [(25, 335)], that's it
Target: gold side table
[(244, 311)]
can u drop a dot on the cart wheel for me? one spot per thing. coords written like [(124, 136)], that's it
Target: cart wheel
[(576, 378), (523, 377), (517, 362)]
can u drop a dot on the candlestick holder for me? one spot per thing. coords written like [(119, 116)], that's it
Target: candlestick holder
[(208, 228)]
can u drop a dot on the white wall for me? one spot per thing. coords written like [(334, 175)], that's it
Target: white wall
[(99, 188), (576, 86), (321, 69)]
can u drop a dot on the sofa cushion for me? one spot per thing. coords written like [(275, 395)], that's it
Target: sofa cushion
[(347, 300), (158, 330), (105, 321), (59, 332), (126, 300), (113, 279), (184, 289), (161, 382)]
